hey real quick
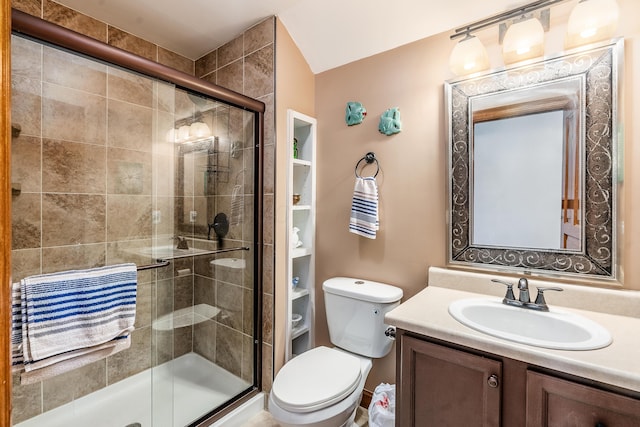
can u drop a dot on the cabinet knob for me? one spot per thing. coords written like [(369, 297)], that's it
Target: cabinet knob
[(493, 381)]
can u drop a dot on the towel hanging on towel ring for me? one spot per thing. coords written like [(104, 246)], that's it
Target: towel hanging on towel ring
[(364, 220)]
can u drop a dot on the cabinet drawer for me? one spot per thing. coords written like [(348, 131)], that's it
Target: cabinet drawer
[(556, 402)]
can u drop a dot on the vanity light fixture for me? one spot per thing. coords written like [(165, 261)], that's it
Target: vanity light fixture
[(199, 130), (469, 56), (524, 38), (183, 134), (194, 132), (591, 21)]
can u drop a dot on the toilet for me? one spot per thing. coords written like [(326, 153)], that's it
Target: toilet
[(323, 386)]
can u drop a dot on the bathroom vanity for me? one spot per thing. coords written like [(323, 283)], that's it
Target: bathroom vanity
[(450, 374)]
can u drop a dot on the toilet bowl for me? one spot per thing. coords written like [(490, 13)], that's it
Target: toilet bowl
[(323, 386), (326, 395)]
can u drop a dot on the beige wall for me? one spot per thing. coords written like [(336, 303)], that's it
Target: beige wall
[(295, 88), (412, 179)]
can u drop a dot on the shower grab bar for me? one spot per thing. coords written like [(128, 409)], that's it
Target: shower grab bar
[(239, 248), (159, 263), (214, 252)]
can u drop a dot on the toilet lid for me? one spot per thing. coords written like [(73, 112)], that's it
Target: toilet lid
[(316, 379)]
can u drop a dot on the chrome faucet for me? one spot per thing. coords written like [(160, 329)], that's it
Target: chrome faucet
[(523, 287), (524, 299), (182, 243)]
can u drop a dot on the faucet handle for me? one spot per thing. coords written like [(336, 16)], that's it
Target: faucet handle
[(509, 296), (540, 297)]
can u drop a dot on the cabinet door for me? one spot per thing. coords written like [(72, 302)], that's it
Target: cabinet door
[(441, 387), (555, 402)]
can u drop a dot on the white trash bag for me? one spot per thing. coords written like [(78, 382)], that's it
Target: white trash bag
[(382, 410)]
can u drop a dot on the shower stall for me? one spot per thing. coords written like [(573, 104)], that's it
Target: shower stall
[(118, 159)]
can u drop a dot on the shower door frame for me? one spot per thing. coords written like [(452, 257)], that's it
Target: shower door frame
[(58, 36), (5, 212)]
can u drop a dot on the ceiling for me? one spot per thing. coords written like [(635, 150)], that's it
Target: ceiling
[(329, 33)]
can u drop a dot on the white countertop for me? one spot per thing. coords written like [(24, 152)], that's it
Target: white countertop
[(618, 364)]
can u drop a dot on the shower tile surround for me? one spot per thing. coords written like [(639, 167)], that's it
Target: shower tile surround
[(50, 159)]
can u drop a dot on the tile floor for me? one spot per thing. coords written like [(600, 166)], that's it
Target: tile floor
[(264, 419)]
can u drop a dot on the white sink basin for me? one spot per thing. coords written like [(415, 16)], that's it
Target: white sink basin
[(554, 329)]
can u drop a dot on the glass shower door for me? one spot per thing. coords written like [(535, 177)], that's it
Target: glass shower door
[(208, 351), (104, 173)]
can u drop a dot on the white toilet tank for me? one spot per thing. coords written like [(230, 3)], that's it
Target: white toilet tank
[(355, 314)]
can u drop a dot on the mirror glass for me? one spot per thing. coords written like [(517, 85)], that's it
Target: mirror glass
[(210, 165), (533, 165), (525, 145)]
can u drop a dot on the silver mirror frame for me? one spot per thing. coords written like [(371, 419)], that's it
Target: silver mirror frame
[(601, 67)]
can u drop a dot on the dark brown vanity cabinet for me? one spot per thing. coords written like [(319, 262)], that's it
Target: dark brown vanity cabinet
[(553, 402), (443, 385)]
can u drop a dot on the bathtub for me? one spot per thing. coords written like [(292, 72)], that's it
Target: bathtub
[(173, 394)]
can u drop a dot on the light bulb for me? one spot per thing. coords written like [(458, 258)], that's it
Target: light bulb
[(591, 21), (523, 40), (183, 134), (199, 130), (468, 56)]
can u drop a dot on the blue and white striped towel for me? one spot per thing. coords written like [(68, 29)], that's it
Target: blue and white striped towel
[(59, 313), (364, 208)]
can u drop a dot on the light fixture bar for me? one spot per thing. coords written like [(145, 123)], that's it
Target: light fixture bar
[(504, 16)]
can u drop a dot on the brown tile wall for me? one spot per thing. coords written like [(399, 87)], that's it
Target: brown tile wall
[(69, 18), (49, 169), (77, 174)]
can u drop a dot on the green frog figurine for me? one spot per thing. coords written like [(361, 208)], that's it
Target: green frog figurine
[(390, 122), (355, 113)]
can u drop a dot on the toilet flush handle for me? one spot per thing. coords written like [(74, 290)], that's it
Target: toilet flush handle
[(391, 332)]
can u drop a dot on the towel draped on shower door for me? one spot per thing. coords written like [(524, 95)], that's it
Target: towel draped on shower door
[(65, 320)]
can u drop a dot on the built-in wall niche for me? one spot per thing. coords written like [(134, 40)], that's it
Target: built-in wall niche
[(301, 183), (301, 270), (302, 220), (301, 134), (304, 138)]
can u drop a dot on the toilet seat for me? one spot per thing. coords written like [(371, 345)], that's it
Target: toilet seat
[(316, 379)]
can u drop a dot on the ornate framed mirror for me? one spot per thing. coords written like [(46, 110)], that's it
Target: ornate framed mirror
[(533, 166)]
